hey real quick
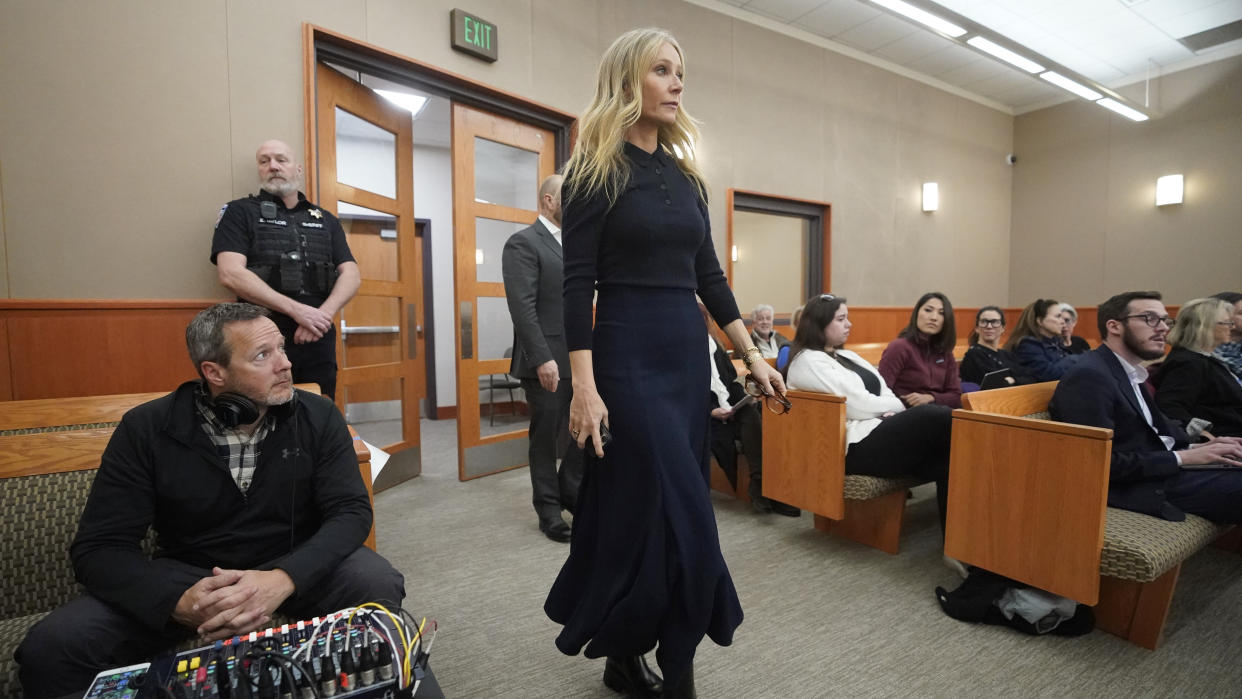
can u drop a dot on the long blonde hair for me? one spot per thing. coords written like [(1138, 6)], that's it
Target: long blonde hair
[(598, 161), (1196, 324)]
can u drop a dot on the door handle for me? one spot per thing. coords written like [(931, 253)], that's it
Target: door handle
[(411, 318), (467, 330)]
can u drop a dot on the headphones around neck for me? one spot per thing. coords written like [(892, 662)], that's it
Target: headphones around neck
[(234, 409)]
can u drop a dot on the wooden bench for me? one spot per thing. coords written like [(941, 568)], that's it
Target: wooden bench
[(1028, 500), (804, 465)]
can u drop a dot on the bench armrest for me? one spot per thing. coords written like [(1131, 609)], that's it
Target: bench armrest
[(804, 454), (1027, 500)]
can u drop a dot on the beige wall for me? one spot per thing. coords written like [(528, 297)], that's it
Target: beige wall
[(1085, 223), (774, 275), (127, 124)]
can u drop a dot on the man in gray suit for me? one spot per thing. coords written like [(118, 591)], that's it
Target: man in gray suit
[(531, 265)]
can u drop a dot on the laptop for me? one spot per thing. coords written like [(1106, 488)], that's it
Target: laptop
[(995, 379)]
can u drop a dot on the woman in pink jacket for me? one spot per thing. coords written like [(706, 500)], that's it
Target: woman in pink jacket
[(919, 365)]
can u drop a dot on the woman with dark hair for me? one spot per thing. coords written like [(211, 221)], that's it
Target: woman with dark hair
[(1191, 382), (1036, 341), (644, 569), (919, 365), (985, 354), (883, 437)]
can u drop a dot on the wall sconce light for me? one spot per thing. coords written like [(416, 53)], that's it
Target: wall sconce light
[(931, 196), (734, 254), (478, 256), (1169, 190)]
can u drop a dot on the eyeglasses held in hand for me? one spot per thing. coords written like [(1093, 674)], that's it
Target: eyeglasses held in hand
[(1153, 320), (774, 402)]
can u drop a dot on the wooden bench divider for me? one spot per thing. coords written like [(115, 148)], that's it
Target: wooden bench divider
[(1028, 500)]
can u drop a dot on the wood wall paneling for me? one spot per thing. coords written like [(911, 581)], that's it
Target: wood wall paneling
[(63, 348)]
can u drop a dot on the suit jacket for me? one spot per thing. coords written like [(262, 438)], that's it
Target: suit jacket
[(1190, 385), (1098, 392), (532, 267), (728, 376)]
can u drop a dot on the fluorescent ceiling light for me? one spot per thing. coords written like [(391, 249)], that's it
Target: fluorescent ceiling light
[(1004, 54), (1169, 190), (1066, 84), (931, 196), (413, 103), (1123, 110), (922, 17)]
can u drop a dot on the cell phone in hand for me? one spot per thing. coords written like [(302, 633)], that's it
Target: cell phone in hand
[(605, 437)]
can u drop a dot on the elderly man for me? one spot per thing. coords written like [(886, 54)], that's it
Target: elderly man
[(255, 497), (531, 265), (280, 251), (765, 338), (1154, 468)]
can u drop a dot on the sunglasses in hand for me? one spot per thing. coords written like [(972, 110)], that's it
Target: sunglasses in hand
[(774, 402)]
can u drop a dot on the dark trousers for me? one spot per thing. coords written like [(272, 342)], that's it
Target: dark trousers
[(64, 651), (549, 439), (911, 444), (1214, 494), (746, 426)]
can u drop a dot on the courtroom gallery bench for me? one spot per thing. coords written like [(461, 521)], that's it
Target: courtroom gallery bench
[(1028, 500), (804, 465), (49, 453)]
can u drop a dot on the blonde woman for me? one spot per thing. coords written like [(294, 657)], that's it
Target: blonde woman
[(1191, 383), (644, 567)]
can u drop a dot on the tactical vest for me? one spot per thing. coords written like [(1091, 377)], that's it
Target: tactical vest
[(293, 259)]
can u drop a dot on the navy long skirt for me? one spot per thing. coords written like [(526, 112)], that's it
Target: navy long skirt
[(644, 566)]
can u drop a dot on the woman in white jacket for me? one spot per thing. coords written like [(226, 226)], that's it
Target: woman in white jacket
[(883, 437)]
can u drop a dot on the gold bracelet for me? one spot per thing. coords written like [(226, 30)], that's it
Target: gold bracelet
[(746, 356)]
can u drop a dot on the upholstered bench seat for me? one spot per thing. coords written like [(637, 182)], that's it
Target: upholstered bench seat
[(12, 631), (1141, 548), (870, 487)]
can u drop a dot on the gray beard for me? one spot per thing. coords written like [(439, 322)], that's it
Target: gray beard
[(280, 189)]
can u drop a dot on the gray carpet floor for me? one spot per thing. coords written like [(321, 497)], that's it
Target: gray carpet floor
[(824, 617)]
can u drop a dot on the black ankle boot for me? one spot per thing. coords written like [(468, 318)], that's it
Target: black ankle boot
[(632, 676), (684, 689)]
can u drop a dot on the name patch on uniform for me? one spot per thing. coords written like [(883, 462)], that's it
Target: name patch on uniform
[(273, 221), (312, 224)]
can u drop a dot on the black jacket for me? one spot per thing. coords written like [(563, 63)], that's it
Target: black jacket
[(1098, 393), (1190, 385), (305, 511), (980, 361), (532, 267)]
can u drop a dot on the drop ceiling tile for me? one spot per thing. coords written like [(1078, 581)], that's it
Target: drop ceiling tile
[(913, 47), (1203, 20), (1034, 92), (836, 16), (879, 31), (971, 72), (946, 59), (1158, 11), (784, 10)]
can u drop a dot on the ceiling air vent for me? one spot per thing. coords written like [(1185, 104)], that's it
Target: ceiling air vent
[(1213, 37)]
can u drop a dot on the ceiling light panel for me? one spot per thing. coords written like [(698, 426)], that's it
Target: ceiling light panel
[(1123, 110), (996, 50), (1066, 84), (921, 16)]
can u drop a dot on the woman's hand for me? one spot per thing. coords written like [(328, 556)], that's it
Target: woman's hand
[(768, 377), (916, 399), (586, 412)]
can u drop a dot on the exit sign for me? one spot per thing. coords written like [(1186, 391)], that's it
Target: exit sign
[(474, 35)]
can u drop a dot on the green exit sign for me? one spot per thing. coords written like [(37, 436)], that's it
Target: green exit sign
[(474, 35)]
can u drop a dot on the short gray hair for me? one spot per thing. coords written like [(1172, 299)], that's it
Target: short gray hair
[(762, 307), (204, 336), (1070, 310)]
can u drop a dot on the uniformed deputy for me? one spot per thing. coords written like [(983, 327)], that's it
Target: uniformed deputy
[(278, 250)]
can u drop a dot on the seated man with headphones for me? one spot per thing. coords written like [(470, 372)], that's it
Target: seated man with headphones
[(257, 504)]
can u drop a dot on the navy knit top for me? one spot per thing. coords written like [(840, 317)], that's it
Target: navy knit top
[(656, 235)]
